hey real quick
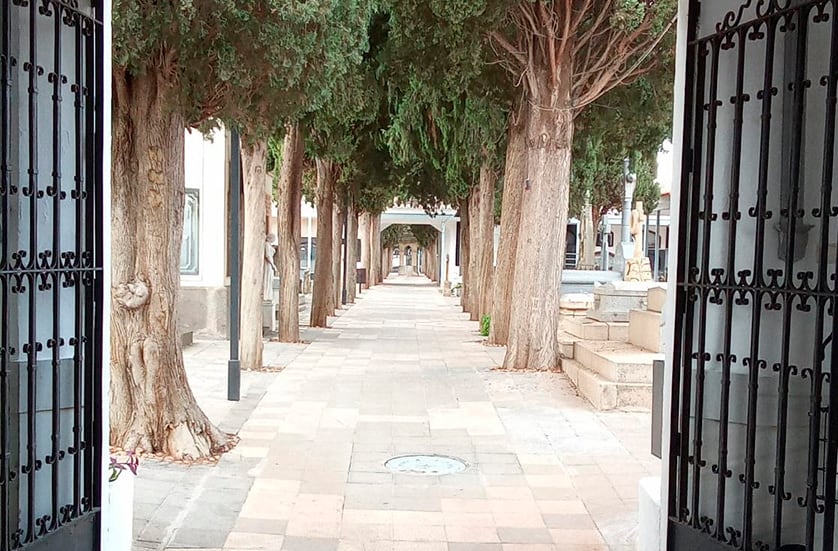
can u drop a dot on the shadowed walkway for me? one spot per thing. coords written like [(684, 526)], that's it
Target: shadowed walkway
[(404, 372)]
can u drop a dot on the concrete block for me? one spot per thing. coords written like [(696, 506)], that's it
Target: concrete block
[(656, 299), (614, 301), (616, 362), (634, 396), (591, 386), (649, 514), (645, 329), (604, 394), (618, 331), (567, 348), (587, 329), (580, 301)]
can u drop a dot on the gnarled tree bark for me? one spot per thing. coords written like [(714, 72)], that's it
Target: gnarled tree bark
[(322, 295), (364, 233), (533, 329), (351, 252), (465, 253), (337, 249), (289, 217), (486, 240), (474, 255), (515, 174), (152, 407), (377, 275), (254, 158)]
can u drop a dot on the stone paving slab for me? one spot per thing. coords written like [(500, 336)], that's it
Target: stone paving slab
[(402, 371)]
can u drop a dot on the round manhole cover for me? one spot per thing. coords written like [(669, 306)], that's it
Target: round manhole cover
[(426, 464)]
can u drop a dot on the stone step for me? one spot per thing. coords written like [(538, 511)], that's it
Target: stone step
[(567, 346), (592, 330), (604, 394), (619, 362), (645, 329)]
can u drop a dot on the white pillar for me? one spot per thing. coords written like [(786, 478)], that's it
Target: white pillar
[(308, 248)]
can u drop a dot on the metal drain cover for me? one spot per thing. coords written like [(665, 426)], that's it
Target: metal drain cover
[(431, 465)]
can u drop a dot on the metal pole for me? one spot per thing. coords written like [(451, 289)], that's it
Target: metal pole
[(343, 292), (627, 196), (234, 364), (603, 250), (308, 248), (657, 244)]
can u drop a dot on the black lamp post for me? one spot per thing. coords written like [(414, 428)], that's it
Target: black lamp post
[(234, 364), (343, 291)]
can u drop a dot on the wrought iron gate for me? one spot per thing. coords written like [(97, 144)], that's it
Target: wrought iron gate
[(755, 413), (51, 274)]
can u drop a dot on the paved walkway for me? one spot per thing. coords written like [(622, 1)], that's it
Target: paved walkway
[(401, 372)]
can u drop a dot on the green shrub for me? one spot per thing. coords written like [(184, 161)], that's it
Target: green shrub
[(485, 324)]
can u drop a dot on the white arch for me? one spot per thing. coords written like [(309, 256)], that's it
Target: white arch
[(417, 216)]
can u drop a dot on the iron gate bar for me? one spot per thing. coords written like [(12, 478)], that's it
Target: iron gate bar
[(791, 212), (78, 289), (691, 171), (732, 216), (97, 242), (823, 284), (707, 216), (831, 460), (33, 465), (6, 523), (56, 341), (754, 364)]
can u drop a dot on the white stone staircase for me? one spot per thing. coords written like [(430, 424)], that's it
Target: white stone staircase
[(610, 363)]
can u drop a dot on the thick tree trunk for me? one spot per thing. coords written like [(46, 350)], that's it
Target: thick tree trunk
[(337, 250), (322, 295), (433, 255), (254, 157), (515, 173), (474, 257), (288, 254), (152, 407), (364, 225), (533, 329), (427, 262), (465, 253), (486, 240), (386, 263), (377, 276), (351, 252)]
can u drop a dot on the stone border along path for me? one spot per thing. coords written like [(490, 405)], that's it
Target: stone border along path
[(402, 371)]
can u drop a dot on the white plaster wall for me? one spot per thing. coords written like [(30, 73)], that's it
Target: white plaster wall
[(206, 171), (121, 526), (449, 251)]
